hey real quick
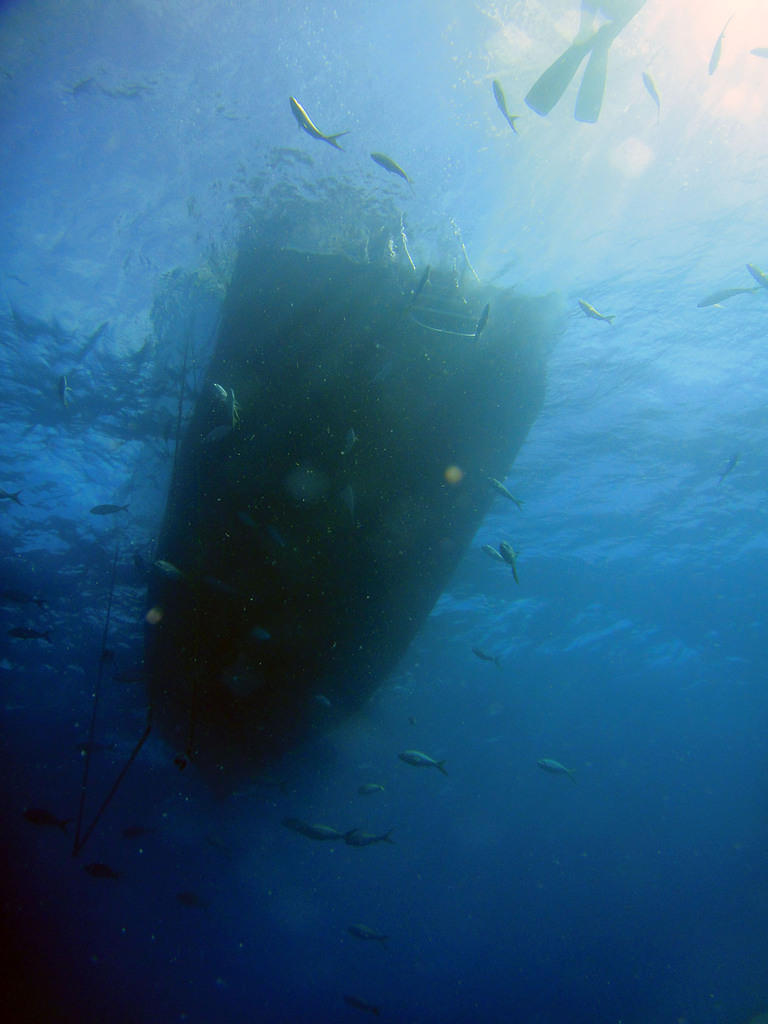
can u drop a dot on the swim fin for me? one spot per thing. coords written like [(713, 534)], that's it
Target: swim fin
[(592, 88), (550, 86)]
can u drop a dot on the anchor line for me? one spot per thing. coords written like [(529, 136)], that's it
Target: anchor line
[(95, 706), (115, 785)]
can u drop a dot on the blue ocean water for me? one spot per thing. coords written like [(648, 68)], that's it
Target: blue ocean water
[(137, 137)]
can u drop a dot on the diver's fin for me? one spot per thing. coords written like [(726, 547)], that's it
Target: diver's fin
[(550, 86), (592, 88)]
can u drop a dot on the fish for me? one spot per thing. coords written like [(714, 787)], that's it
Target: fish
[(486, 657), (490, 550), (653, 93), (555, 768), (108, 510), (419, 760), (482, 321), (422, 283), (25, 633), (715, 298), (97, 870), (362, 931), (356, 837), (9, 496), (20, 597), (168, 569), (319, 832), (358, 1004), (217, 434), (64, 390), (501, 103), (714, 60), (756, 272), (497, 485), (305, 122), (509, 555), (389, 165), (39, 816), (349, 441), (760, 51), (370, 787), (320, 698), (730, 466), (347, 498), (590, 311)]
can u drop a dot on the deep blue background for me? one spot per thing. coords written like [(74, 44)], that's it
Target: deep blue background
[(135, 136)]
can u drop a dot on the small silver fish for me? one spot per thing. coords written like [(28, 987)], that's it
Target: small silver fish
[(349, 441), (499, 486), (490, 550), (370, 787), (64, 390), (305, 122), (509, 555), (107, 510), (481, 654), (501, 103), (168, 569), (319, 832), (356, 837), (420, 760), (759, 276), (555, 768), (217, 434), (362, 931), (715, 298), (591, 312), (652, 92), (714, 60), (389, 165)]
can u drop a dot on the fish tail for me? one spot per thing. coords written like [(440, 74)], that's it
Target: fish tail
[(572, 776), (63, 825), (332, 139), (15, 497), (610, 318), (439, 764), (386, 838)]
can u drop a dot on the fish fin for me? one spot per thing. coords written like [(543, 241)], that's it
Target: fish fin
[(552, 83), (592, 88)]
